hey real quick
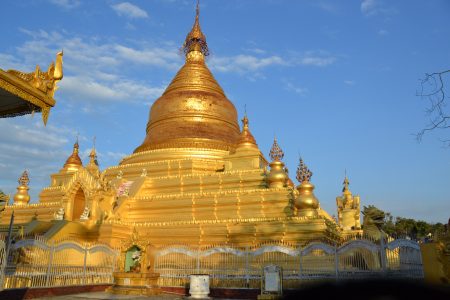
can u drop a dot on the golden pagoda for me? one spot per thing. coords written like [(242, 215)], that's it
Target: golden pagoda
[(197, 179)]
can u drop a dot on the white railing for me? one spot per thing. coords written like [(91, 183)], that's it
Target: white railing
[(36, 263), (241, 267)]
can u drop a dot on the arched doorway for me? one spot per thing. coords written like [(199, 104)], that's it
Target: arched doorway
[(79, 202)]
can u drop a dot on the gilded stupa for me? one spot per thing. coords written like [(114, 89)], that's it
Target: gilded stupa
[(196, 179)]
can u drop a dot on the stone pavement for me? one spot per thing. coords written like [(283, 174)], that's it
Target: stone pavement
[(106, 296)]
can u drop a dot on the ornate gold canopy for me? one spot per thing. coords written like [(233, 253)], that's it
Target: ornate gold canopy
[(25, 93)]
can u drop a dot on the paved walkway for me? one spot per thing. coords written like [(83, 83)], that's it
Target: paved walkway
[(106, 296)]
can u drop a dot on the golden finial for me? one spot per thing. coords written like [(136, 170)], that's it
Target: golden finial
[(76, 146), (275, 152), (93, 154), (304, 174), (24, 179), (196, 40)]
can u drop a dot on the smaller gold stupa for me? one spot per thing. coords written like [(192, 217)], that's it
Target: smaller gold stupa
[(22, 197)]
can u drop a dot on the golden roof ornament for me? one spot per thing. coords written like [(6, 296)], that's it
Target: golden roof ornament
[(276, 153), (304, 174), (196, 40), (31, 92)]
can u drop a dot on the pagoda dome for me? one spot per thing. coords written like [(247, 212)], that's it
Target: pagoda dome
[(193, 111)]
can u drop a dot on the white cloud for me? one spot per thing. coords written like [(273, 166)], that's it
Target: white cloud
[(28, 145), (67, 4), (244, 63), (317, 61), (289, 86), (94, 68), (349, 82), (369, 7), (84, 88), (126, 9), (383, 32), (154, 56), (376, 7)]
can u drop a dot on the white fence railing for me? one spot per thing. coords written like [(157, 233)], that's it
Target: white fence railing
[(241, 267), (36, 263)]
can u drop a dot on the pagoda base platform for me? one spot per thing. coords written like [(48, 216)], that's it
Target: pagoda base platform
[(139, 284)]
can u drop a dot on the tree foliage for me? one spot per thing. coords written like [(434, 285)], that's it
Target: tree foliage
[(416, 229), (433, 88)]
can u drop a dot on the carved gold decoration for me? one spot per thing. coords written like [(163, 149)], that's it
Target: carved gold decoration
[(303, 173), (34, 91), (276, 154)]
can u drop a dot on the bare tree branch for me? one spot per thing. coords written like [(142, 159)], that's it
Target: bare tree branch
[(433, 89)]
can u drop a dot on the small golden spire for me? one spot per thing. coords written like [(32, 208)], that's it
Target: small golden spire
[(196, 40), (276, 153), (346, 183), (74, 160), (304, 174), (246, 135), (93, 155)]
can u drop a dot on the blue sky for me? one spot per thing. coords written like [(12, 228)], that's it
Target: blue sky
[(335, 81)]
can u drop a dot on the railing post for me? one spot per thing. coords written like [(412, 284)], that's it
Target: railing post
[(115, 257), (247, 267), (198, 260), (336, 262), (84, 264), (49, 265), (383, 253), (300, 256)]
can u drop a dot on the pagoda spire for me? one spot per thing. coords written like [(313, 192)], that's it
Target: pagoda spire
[(196, 40)]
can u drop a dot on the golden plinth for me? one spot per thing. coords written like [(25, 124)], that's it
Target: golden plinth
[(138, 284)]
